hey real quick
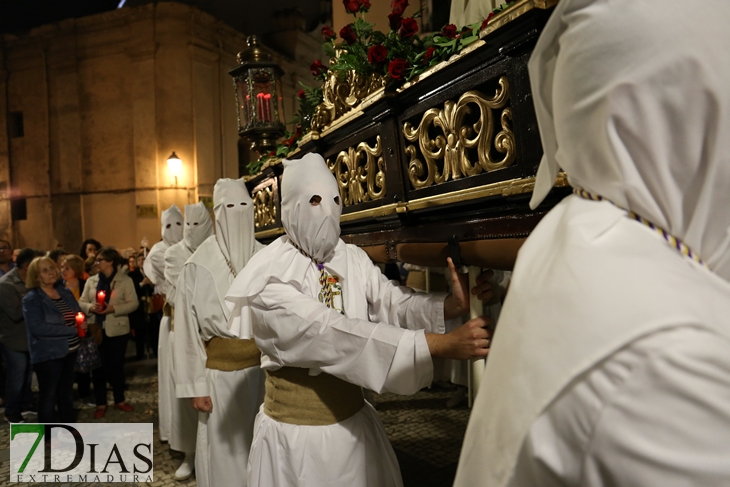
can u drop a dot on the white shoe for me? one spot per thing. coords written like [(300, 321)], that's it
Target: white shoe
[(185, 471)]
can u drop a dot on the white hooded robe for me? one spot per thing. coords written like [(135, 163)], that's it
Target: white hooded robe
[(154, 269), (374, 337), (610, 364), (183, 418), (224, 435)]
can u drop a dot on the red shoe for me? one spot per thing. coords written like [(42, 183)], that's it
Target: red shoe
[(100, 412), (123, 406)]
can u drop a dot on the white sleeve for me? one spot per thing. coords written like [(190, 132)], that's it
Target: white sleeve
[(401, 306), (173, 268), (188, 347), (292, 329), (655, 413)]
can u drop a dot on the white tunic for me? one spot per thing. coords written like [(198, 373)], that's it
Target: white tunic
[(225, 434), (182, 419), (379, 344)]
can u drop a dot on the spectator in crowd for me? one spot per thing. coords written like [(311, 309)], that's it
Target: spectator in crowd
[(14, 339), (132, 262), (15, 254), (91, 267), (6, 257), (71, 268), (50, 311), (89, 247), (57, 256), (111, 312), (139, 319)]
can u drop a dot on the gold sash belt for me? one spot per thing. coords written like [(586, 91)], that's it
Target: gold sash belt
[(230, 354), (169, 311), (295, 397)]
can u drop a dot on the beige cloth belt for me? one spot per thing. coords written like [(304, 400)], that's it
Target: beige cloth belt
[(230, 354), (295, 397), (169, 311)]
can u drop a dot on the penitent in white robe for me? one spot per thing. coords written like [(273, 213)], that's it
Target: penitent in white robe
[(225, 434), (379, 343), (183, 419)]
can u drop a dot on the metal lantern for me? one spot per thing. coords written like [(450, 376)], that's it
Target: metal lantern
[(257, 82)]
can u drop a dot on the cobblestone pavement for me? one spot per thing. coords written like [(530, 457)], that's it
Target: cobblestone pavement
[(425, 434)]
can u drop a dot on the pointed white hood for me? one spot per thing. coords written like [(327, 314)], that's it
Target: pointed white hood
[(198, 225), (314, 228), (647, 129), (234, 221), (172, 225)]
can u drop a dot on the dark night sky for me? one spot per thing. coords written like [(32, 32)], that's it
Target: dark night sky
[(247, 16)]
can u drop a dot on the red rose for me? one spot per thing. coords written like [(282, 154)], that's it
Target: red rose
[(272, 153), (365, 5), (377, 54), (486, 21), (449, 31), (317, 67), (301, 94), (397, 68), (398, 6), (348, 34), (395, 21), (408, 28), (428, 54), (351, 6), (328, 33)]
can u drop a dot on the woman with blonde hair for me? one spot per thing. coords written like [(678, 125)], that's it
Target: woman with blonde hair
[(50, 312)]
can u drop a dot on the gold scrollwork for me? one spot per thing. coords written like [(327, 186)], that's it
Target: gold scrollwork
[(458, 136), (360, 173), (342, 95), (265, 196)]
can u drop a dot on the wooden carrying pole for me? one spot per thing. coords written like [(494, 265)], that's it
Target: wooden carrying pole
[(476, 366)]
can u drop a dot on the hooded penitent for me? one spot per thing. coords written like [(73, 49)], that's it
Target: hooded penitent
[(645, 124), (310, 206), (172, 233), (172, 225), (234, 216), (633, 103), (198, 226)]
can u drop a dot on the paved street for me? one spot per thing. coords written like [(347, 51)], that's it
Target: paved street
[(425, 434)]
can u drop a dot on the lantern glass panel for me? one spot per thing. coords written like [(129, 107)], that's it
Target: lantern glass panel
[(263, 84), (280, 104), (243, 100)]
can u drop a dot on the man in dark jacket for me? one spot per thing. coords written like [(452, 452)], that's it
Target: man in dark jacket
[(14, 338)]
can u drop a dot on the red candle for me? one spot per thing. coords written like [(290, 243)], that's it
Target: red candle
[(100, 299), (260, 107), (80, 318), (267, 107)]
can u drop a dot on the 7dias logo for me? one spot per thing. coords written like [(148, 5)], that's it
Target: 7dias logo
[(81, 452)]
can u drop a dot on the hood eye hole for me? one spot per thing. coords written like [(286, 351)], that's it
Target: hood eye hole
[(196, 224), (178, 224), (243, 203), (188, 224), (337, 200), (230, 205), (168, 225), (315, 200)]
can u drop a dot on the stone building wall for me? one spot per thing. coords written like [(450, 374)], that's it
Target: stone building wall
[(104, 101)]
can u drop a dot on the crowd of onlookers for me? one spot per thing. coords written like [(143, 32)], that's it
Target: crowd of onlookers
[(69, 318)]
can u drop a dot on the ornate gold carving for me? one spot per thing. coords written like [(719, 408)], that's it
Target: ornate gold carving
[(265, 196), (360, 173), (342, 95), (449, 149)]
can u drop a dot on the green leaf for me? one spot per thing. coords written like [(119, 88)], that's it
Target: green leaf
[(329, 49), (468, 40)]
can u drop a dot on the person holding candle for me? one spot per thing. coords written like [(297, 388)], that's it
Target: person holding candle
[(50, 312), (111, 297)]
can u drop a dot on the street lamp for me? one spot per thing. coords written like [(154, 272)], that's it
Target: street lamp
[(257, 83), (174, 164)]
